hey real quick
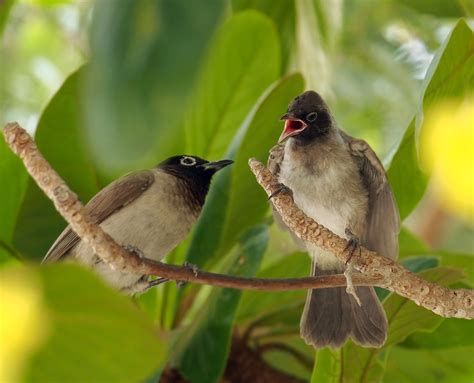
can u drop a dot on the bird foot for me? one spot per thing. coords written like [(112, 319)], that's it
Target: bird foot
[(191, 267), (134, 249), (281, 188), (143, 285), (352, 245), (350, 289)]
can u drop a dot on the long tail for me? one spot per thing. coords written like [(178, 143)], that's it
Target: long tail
[(330, 316)]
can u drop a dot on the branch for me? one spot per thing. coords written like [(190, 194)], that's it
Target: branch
[(458, 303), (68, 205), (377, 271)]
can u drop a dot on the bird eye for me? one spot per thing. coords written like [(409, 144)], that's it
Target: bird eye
[(311, 117), (187, 161)]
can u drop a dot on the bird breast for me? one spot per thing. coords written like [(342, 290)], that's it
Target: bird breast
[(326, 186)]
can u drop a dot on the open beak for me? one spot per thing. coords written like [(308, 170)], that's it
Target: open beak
[(293, 127), (217, 165)]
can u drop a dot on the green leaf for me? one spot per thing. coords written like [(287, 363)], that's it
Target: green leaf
[(146, 55), (327, 366), (446, 366), (453, 332), (410, 244), (406, 178), (265, 305), (235, 190), (440, 8), (202, 349), (244, 60), (262, 130), (59, 137), (5, 8), (96, 335), (404, 318), (465, 262), (451, 74), (11, 196), (282, 13)]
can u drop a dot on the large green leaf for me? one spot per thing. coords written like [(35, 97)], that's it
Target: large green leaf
[(453, 332), (404, 318), (201, 350), (146, 55), (443, 366), (262, 131), (406, 178), (243, 61), (440, 8), (59, 137), (95, 334), (11, 196), (451, 74), (282, 12), (256, 306), (235, 191)]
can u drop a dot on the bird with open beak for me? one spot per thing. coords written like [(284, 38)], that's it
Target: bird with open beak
[(149, 211), (339, 182)]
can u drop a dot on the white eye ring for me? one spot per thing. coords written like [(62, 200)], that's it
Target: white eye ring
[(187, 161)]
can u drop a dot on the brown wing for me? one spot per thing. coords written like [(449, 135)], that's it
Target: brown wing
[(110, 199), (383, 220), (275, 158)]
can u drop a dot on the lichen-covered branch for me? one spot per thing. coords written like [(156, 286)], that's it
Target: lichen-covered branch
[(376, 270), (68, 205), (458, 303)]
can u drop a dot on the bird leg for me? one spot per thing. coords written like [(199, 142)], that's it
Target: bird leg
[(281, 188), (352, 245), (142, 285)]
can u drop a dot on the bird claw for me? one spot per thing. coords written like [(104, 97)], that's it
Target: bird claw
[(135, 250), (191, 267), (352, 245), (350, 289), (143, 285), (281, 188)]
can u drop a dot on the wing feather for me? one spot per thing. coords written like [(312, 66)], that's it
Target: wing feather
[(109, 200), (383, 219)]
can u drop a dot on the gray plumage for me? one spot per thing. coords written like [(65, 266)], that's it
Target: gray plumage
[(338, 181), (151, 210)]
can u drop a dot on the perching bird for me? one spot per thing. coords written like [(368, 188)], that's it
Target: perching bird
[(149, 210), (339, 182)]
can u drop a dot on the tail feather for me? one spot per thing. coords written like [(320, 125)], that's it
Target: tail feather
[(331, 316)]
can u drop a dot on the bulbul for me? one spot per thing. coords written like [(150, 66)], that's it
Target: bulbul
[(338, 181), (149, 210)]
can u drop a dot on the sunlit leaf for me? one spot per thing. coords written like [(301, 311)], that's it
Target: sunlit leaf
[(96, 335)]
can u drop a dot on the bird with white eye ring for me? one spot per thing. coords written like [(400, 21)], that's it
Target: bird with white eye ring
[(149, 211)]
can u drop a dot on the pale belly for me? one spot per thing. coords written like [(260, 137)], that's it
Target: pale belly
[(327, 200)]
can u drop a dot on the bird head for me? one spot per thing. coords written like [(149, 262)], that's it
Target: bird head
[(307, 118), (192, 167)]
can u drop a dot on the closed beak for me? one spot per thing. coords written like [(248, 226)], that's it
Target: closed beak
[(217, 165)]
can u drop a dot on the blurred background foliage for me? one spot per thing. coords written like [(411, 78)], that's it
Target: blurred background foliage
[(109, 86)]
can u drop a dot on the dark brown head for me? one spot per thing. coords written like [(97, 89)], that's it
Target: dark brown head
[(194, 173), (307, 118)]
